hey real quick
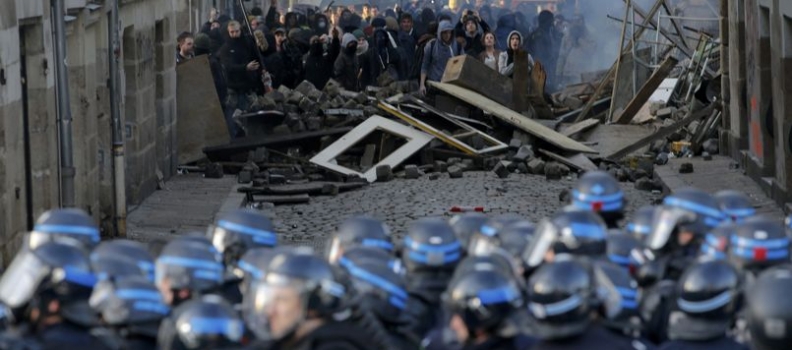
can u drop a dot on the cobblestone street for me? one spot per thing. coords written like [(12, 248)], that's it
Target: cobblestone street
[(399, 202)]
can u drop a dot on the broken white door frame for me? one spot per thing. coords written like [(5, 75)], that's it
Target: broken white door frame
[(449, 139), (415, 141)]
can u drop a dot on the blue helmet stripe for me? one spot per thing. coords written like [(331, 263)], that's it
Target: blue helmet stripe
[(627, 292), (703, 306), (249, 268), (424, 258), (777, 243), (373, 279), (377, 243), (214, 325), (584, 197), (79, 276), (588, 230), (430, 248), (620, 259), (265, 236), (748, 253), (190, 262), (139, 294), (149, 306), (694, 207), (497, 296), (642, 229)]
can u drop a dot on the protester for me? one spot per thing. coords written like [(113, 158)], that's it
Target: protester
[(347, 66), (319, 63), (437, 53), (184, 48), (506, 58), (242, 73), (490, 56), (544, 43)]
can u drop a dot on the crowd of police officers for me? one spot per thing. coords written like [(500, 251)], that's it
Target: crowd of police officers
[(699, 271)]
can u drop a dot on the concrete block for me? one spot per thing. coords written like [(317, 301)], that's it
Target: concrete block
[(666, 112), (440, 166), (455, 172), (411, 171), (536, 166), (434, 176), (655, 106), (330, 189), (384, 173), (515, 143), (501, 169), (553, 171), (523, 154)]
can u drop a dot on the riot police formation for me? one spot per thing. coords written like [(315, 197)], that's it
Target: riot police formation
[(699, 271)]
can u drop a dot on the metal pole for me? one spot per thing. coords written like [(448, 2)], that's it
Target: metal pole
[(634, 52), (64, 109), (119, 176)]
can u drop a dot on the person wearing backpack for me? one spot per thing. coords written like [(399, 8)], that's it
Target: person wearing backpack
[(437, 53)]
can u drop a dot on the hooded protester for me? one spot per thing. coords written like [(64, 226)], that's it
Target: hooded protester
[(320, 25), (385, 56), (437, 53), (415, 72), (545, 43), (364, 58), (347, 66), (426, 17), (506, 25), (318, 63), (408, 39), (506, 58)]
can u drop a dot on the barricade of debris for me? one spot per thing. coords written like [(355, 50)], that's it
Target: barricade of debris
[(307, 141)]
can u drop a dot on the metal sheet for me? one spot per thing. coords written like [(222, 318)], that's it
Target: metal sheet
[(200, 121)]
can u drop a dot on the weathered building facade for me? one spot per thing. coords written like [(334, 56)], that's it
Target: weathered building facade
[(759, 128), (29, 141)]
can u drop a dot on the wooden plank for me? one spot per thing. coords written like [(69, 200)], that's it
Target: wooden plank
[(449, 139), (250, 143), (579, 127), (470, 73), (520, 81), (664, 132), (577, 161), (612, 137), (368, 157), (618, 72), (285, 199), (646, 91), (676, 40), (604, 82), (200, 121), (518, 120)]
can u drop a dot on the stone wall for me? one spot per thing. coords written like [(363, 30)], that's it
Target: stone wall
[(29, 181)]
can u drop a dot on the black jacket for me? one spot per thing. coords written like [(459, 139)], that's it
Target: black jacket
[(595, 337), (714, 344), (332, 336), (235, 55), (319, 64)]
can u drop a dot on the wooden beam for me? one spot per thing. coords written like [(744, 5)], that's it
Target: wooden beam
[(673, 39), (646, 91), (604, 82), (518, 120), (664, 132), (578, 161), (617, 71)]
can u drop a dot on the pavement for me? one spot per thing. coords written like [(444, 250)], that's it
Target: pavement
[(189, 203), (401, 201), (714, 175)]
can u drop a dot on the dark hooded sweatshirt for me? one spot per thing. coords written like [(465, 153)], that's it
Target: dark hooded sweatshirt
[(319, 64)]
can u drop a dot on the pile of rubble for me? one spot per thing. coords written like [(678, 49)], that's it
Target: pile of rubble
[(307, 141)]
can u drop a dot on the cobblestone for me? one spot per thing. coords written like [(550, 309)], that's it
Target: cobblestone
[(400, 201)]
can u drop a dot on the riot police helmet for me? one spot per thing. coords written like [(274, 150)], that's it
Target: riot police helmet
[(768, 309), (690, 211), (124, 248), (735, 205), (466, 225), (559, 299), (208, 322), (599, 191), (60, 223), (131, 302), (239, 230), (359, 230), (575, 232), (431, 245), (757, 243)]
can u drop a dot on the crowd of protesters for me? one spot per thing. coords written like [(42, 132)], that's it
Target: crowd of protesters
[(357, 45)]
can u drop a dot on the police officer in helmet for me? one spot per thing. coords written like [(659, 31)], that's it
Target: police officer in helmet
[(359, 230), (430, 252), (706, 301), (71, 223), (486, 308), (598, 191), (295, 305), (232, 235), (768, 310), (126, 250), (205, 323), (188, 266), (466, 225), (562, 301), (131, 309), (47, 288)]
